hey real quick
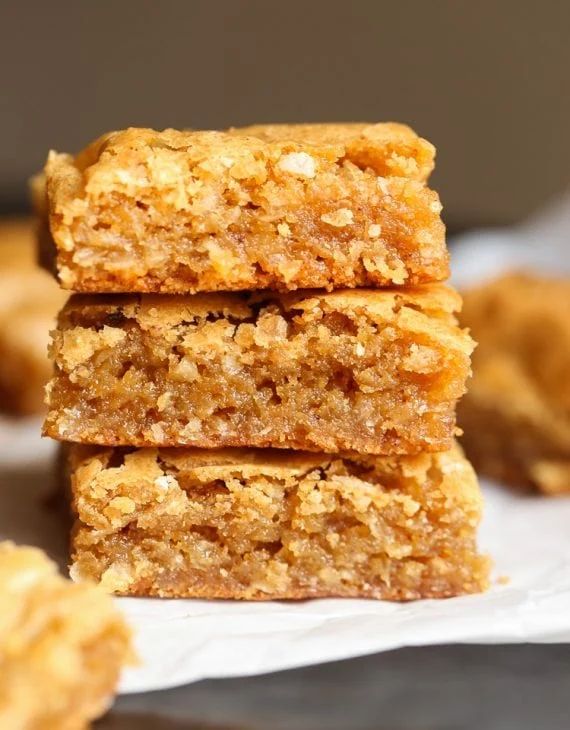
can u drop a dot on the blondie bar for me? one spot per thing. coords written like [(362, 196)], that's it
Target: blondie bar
[(516, 415), (62, 645), (17, 248), (29, 301), (269, 524), (267, 207), (370, 371)]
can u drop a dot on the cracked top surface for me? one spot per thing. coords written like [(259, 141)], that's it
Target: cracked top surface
[(438, 301), (429, 310), (62, 645), (389, 148)]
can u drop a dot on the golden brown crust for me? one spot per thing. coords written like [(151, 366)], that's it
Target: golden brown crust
[(516, 415), (62, 646), (373, 372), (180, 212), (260, 524)]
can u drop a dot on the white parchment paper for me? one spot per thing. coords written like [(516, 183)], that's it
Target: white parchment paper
[(181, 641)]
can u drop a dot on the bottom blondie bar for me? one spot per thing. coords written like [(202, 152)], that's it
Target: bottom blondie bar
[(61, 645), (516, 414), (263, 524)]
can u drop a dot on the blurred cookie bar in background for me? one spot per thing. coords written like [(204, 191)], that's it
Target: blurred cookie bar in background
[(62, 645), (516, 414), (29, 301)]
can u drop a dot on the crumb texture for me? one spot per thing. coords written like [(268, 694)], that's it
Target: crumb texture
[(61, 645), (356, 370), (280, 207), (516, 414), (265, 524)]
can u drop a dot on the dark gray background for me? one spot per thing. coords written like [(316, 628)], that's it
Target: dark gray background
[(487, 81)]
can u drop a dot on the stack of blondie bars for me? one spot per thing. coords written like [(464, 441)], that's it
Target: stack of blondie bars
[(259, 375)]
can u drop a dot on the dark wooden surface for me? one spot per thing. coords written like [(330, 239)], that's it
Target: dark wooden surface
[(519, 687)]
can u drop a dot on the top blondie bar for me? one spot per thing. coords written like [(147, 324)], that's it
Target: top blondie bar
[(263, 207)]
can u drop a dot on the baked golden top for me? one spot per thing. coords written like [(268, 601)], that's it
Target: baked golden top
[(431, 307), (141, 473), (272, 207), (388, 148)]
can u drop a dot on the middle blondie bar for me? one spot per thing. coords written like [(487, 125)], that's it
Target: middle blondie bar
[(376, 372)]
